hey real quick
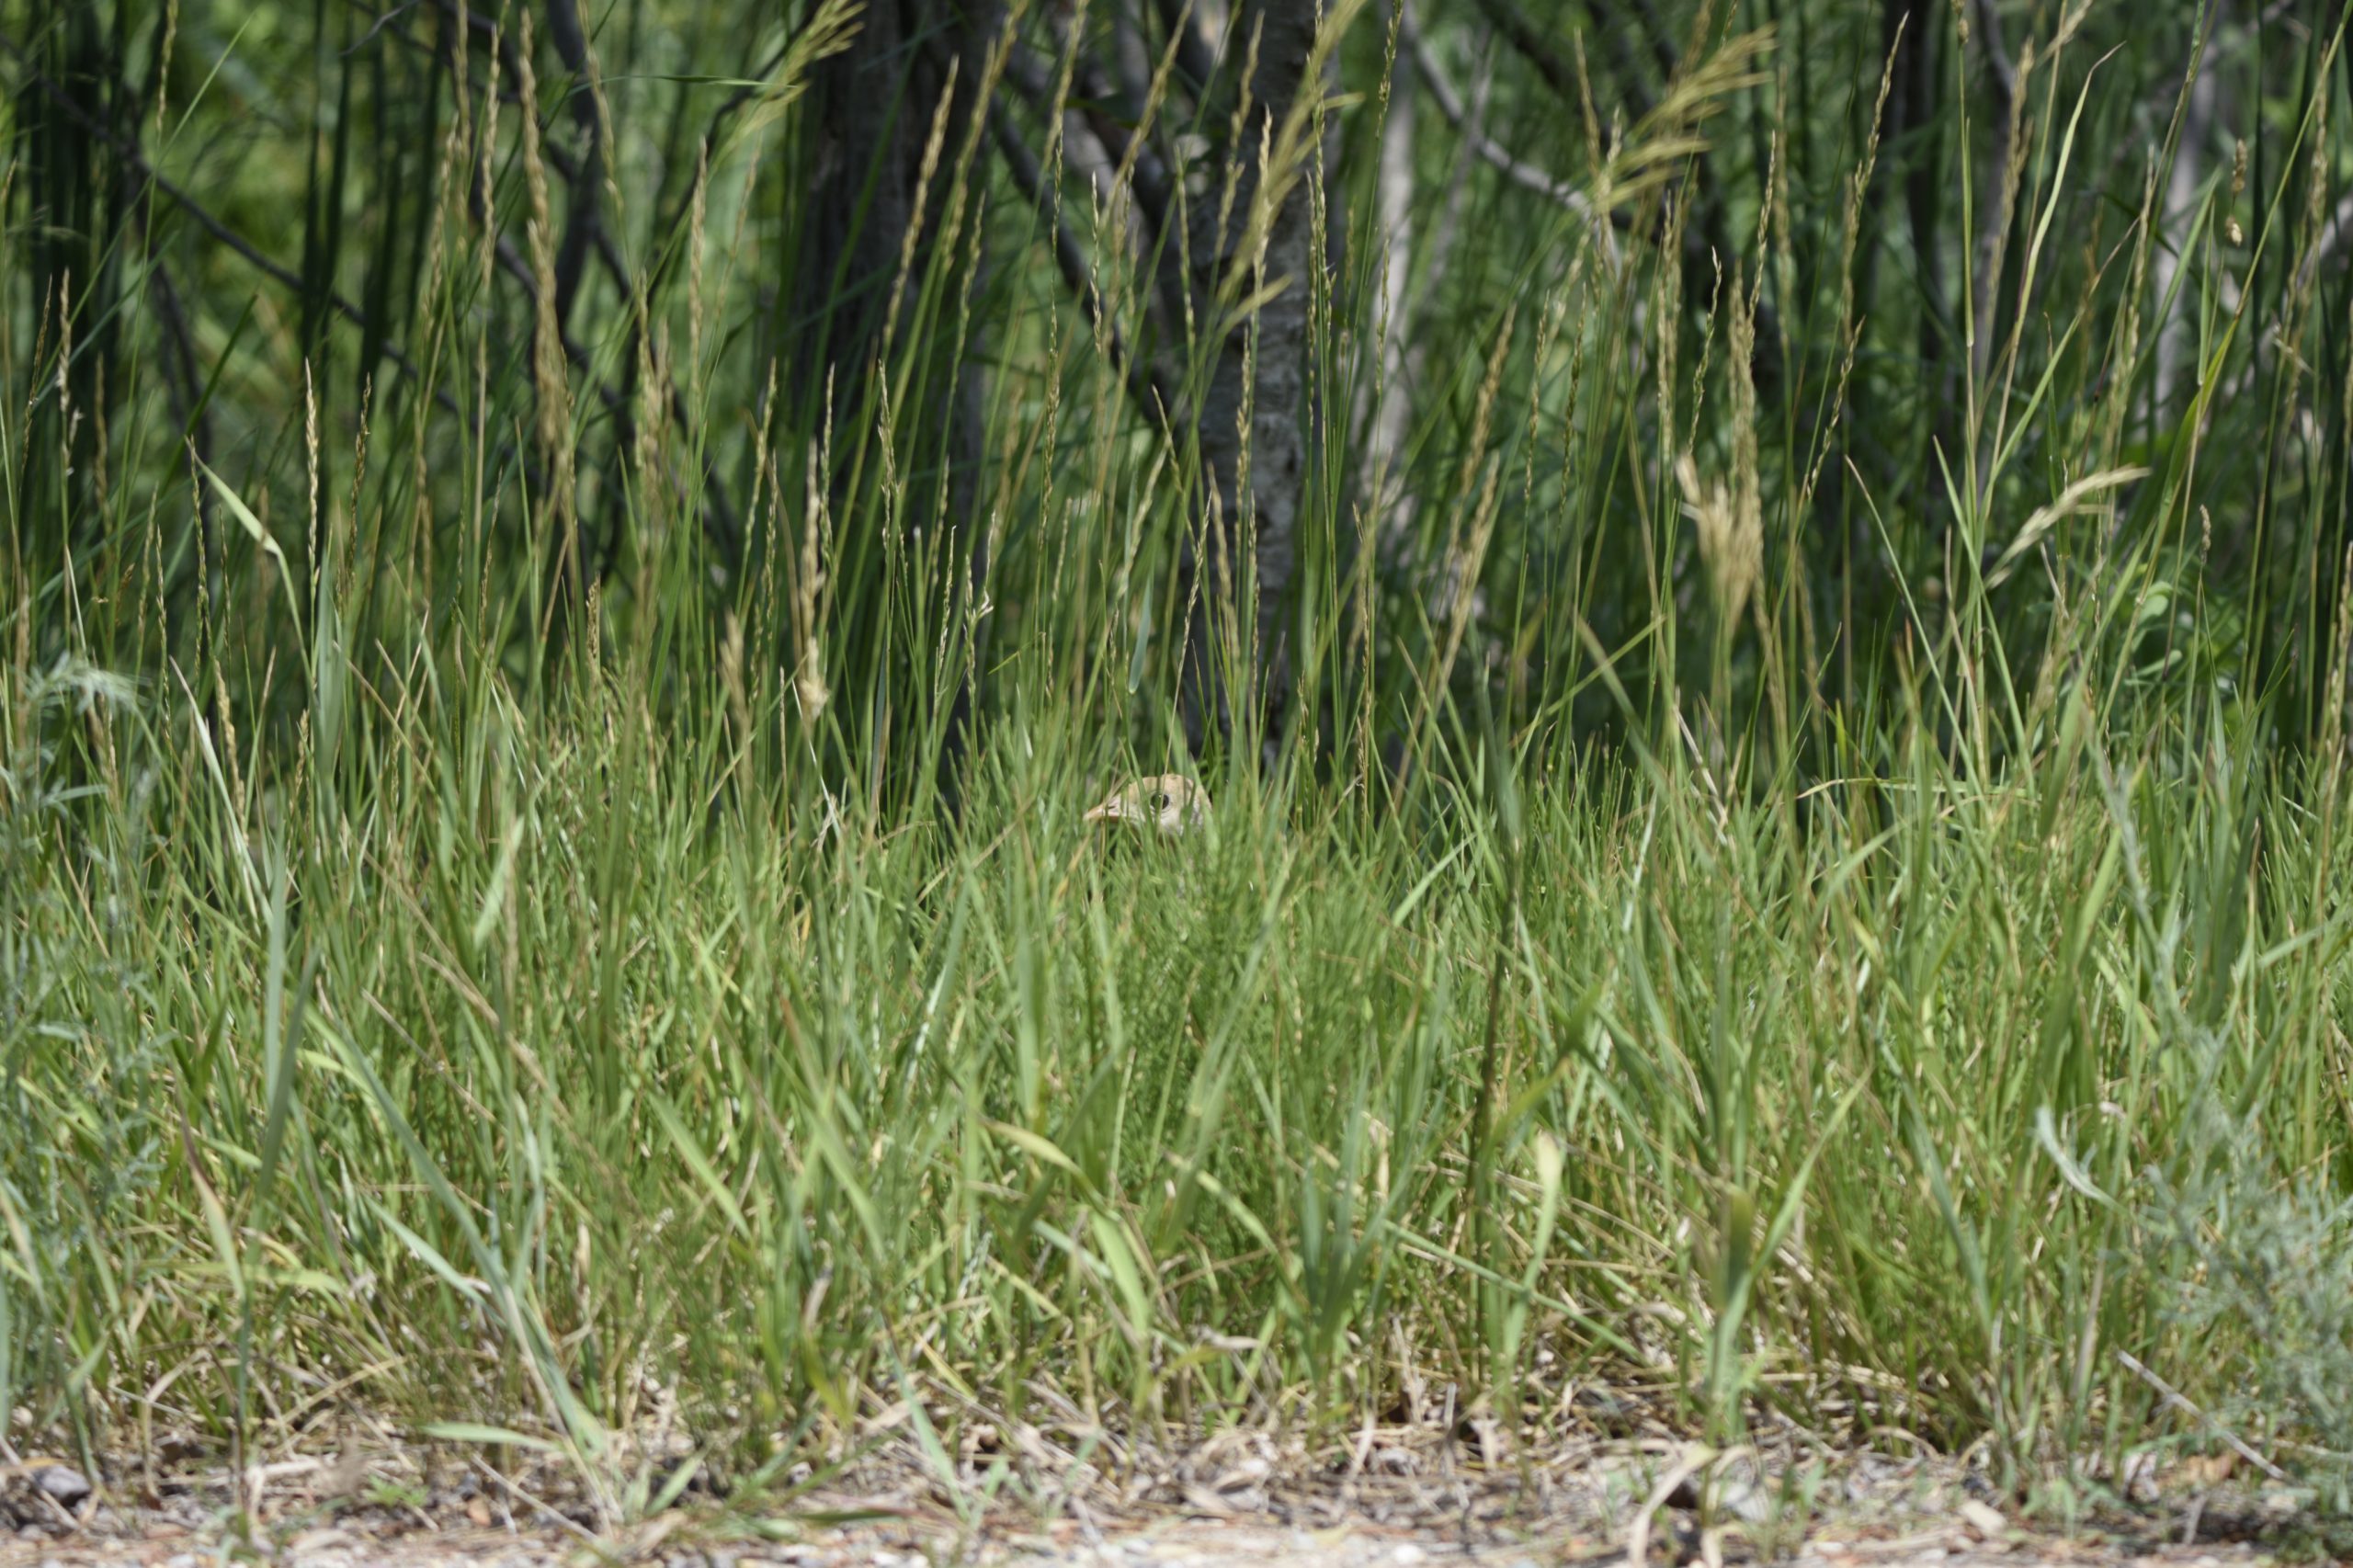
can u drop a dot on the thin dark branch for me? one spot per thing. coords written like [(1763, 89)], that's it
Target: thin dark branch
[(477, 22), (179, 360), (1194, 57), (1522, 34), (189, 407), (136, 160), (1561, 76), (1432, 71), (719, 518), (382, 22), (718, 521), (1993, 218), (1997, 58), (1032, 81), (584, 225), (670, 223), (1143, 381)]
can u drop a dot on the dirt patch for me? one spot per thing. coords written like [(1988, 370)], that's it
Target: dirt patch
[(1237, 1511), (1003, 1495), (1176, 1543)]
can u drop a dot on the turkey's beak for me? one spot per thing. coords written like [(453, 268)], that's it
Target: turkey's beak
[(1108, 812)]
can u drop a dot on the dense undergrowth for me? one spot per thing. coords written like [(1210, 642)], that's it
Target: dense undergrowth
[(439, 979)]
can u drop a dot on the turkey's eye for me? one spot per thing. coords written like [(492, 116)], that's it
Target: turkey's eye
[(1160, 800)]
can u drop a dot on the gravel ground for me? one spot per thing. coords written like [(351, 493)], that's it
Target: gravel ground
[(932, 1538), (1235, 1502), (1177, 1544)]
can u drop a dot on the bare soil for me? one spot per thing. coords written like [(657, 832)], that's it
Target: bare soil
[(1234, 1504), (1175, 1543)]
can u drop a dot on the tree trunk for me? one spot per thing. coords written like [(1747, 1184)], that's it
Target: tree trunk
[(873, 106), (1259, 380)]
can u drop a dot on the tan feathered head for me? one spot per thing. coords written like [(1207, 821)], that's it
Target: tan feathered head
[(1169, 805)]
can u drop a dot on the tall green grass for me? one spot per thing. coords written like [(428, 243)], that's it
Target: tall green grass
[(463, 965)]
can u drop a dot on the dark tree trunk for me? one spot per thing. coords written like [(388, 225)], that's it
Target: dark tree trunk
[(1270, 374), (872, 107), (72, 196)]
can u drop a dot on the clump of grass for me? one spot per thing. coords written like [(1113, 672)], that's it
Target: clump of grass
[(2270, 1271)]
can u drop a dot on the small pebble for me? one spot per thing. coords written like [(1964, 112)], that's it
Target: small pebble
[(1405, 1555), (61, 1483), (1987, 1523)]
